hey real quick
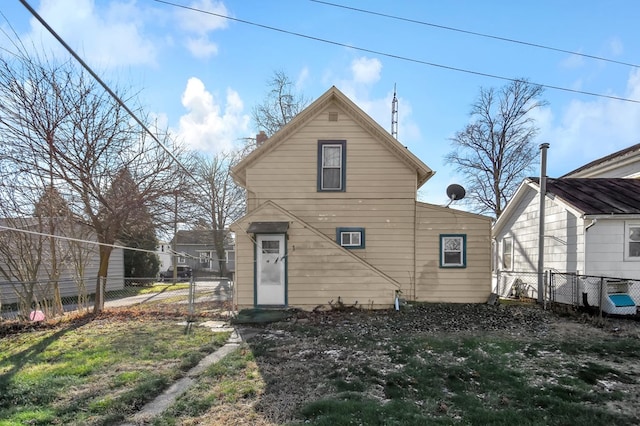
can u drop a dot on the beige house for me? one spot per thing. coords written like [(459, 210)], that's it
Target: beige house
[(332, 217)]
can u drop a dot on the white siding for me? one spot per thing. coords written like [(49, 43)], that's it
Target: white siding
[(563, 242), (605, 253)]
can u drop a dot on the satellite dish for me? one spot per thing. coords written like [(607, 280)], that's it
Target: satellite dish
[(455, 192)]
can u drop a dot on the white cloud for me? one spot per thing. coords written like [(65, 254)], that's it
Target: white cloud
[(196, 22), (587, 130), (616, 47), (209, 126), (366, 70), (201, 47), (108, 36), (198, 25)]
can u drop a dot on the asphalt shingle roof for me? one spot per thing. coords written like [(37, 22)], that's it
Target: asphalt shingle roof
[(595, 196)]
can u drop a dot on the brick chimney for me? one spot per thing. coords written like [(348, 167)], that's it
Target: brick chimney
[(261, 138)]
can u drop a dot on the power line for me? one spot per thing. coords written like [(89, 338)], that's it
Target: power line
[(394, 56), (108, 90), (77, 240), (444, 27)]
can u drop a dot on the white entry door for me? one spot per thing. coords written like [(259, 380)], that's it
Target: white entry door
[(270, 270)]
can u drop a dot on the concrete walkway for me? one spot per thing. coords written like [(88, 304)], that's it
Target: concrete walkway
[(163, 401)]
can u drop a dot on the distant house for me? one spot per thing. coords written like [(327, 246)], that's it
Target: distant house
[(163, 251), (24, 256), (332, 218), (196, 248)]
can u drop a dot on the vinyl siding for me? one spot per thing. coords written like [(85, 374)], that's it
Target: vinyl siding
[(318, 270), (563, 243), (605, 253), (70, 285), (290, 172), (380, 197), (436, 284), (380, 190)]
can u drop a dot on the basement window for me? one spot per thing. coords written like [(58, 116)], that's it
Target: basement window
[(351, 238), (453, 251)]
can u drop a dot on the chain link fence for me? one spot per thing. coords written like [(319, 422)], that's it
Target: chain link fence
[(517, 284), (45, 300), (611, 295)]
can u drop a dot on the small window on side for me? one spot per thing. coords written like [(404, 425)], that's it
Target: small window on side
[(507, 254), (351, 238), (632, 241), (453, 251)]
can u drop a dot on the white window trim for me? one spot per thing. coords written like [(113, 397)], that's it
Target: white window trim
[(352, 234), (462, 251), (204, 257), (627, 231), (226, 255), (339, 166)]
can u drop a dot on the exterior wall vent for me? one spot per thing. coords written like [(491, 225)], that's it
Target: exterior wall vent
[(333, 116)]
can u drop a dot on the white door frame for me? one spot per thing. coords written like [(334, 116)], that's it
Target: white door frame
[(270, 270)]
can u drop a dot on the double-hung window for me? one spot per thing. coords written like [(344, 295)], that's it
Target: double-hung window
[(632, 241), (453, 251), (331, 165)]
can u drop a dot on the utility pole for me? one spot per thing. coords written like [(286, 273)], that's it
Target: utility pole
[(541, 214)]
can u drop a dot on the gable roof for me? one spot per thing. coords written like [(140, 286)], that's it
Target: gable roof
[(584, 196), (333, 95), (597, 196), (611, 160)]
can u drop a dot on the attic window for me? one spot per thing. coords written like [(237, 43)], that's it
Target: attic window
[(333, 116), (331, 165)]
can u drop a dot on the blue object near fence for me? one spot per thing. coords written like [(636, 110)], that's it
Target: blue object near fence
[(621, 300)]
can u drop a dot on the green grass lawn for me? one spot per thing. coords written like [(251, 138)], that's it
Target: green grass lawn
[(305, 375), (95, 372), (295, 373)]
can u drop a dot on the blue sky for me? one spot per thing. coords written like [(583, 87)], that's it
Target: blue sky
[(200, 75)]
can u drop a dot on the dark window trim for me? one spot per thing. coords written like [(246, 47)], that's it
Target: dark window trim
[(339, 232), (343, 171), (464, 250)]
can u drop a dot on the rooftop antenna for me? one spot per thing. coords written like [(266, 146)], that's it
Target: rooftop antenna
[(455, 192), (394, 114)]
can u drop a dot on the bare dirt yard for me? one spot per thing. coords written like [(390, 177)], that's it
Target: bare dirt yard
[(447, 364)]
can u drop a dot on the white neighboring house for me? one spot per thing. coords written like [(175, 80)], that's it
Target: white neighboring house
[(71, 255), (592, 225)]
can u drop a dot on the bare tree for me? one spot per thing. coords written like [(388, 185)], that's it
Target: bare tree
[(224, 200), (58, 122), (280, 105), (496, 151)]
